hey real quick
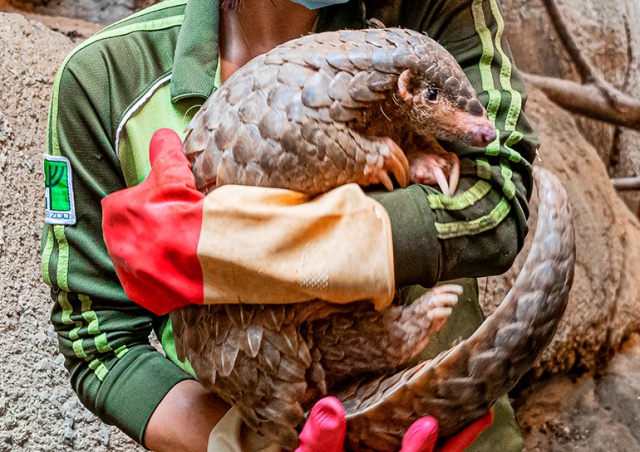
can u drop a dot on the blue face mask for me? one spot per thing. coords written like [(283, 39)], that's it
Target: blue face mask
[(315, 4)]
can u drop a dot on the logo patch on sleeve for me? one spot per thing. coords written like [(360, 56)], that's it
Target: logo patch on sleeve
[(58, 182)]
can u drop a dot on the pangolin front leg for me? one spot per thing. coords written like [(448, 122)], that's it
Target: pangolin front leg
[(426, 162), (365, 340), (430, 165), (394, 161)]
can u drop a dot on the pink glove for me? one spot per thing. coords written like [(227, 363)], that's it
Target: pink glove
[(326, 429)]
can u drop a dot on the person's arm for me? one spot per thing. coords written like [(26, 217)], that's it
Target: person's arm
[(114, 370), (184, 419), (242, 244), (475, 233), (479, 231)]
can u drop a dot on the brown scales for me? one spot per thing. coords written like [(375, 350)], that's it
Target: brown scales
[(336, 108), (316, 113), (274, 362)]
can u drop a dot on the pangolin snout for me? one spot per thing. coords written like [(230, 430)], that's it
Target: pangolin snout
[(483, 135), (475, 130)]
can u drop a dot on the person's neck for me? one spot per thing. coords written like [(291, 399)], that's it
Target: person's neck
[(261, 25)]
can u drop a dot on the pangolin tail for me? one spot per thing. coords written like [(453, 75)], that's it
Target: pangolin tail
[(461, 384)]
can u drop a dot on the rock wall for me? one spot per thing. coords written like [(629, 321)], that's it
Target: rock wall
[(608, 33), (38, 409), (586, 413), (97, 11)]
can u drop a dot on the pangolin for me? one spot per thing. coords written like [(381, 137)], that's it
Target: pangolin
[(339, 107), (342, 107)]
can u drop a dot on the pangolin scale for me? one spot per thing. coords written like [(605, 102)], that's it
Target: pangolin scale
[(338, 107), (274, 362)]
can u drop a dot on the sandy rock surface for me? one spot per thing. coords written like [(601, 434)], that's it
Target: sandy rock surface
[(75, 29), (97, 11), (38, 410), (585, 413), (608, 34)]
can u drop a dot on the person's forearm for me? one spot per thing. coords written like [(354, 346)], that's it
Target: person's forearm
[(184, 419)]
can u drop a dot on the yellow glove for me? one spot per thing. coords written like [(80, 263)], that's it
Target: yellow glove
[(272, 246)]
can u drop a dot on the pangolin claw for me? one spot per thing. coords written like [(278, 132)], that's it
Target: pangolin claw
[(394, 161), (442, 300), (433, 166), (442, 180), (385, 180), (399, 165), (454, 175)]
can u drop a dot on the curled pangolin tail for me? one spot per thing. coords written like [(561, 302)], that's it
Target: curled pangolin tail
[(461, 384)]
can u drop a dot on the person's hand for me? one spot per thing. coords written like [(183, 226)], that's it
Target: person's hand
[(423, 435), (152, 230), (326, 429)]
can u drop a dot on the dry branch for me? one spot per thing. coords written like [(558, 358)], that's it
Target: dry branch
[(583, 65), (589, 100), (626, 183), (588, 73), (595, 97)]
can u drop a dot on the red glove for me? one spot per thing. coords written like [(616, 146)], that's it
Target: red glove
[(171, 246), (326, 428), (162, 274)]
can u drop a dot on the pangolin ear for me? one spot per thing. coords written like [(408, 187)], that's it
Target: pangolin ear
[(404, 86)]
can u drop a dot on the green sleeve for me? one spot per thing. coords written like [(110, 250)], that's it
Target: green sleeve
[(103, 336), (479, 231)]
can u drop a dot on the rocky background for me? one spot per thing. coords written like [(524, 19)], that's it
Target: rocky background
[(100, 12), (584, 393)]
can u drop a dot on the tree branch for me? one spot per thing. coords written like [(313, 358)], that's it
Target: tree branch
[(595, 97), (583, 65), (588, 100), (626, 183)]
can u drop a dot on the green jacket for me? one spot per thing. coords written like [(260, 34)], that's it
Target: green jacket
[(153, 69)]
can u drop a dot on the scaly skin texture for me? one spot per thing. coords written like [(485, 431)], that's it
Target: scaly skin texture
[(273, 362), (316, 113), (461, 384), (333, 108)]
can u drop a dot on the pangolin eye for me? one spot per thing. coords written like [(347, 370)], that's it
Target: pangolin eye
[(432, 95)]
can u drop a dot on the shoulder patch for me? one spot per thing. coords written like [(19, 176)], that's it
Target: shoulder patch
[(58, 182)]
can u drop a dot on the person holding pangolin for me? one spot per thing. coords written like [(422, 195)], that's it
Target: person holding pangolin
[(153, 70)]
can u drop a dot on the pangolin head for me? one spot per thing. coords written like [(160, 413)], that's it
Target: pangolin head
[(442, 103)]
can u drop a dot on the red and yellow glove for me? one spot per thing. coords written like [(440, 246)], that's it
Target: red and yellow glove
[(152, 231), (172, 246)]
